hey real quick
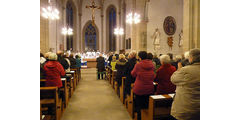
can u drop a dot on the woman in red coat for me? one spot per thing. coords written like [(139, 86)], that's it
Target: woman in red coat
[(143, 86), (53, 70), (164, 73)]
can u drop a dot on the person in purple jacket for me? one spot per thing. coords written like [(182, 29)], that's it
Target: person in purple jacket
[(143, 86)]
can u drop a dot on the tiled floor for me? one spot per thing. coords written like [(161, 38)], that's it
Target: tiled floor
[(94, 100)]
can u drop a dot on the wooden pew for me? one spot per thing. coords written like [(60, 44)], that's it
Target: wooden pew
[(159, 107), (76, 75), (65, 92), (74, 78), (49, 99), (129, 103), (122, 90), (114, 73)]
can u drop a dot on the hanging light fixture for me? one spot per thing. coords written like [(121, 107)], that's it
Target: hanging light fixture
[(50, 12), (133, 18), (67, 31), (118, 31)]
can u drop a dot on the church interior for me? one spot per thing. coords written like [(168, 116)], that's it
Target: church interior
[(119, 59)]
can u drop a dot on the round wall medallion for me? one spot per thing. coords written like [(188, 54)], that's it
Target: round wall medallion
[(169, 25)]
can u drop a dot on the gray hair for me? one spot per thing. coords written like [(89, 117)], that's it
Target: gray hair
[(52, 56), (165, 59), (195, 55)]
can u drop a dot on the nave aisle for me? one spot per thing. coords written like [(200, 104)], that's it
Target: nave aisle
[(94, 100)]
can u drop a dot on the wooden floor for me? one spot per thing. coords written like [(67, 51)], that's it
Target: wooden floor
[(94, 100)]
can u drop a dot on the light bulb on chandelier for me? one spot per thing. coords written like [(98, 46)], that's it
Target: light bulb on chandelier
[(67, 31), (50, 12), (118, 31), (133, 18)]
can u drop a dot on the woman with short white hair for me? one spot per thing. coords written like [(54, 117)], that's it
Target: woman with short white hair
[(164, 74)]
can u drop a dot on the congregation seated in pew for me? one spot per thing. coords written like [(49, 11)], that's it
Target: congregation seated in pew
[(114, 62), (163, 76), (53, 71), (143, 86), (121, 68), (186, 103), (129, 67), (72, 61)]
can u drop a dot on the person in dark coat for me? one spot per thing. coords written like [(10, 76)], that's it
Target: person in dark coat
[(78, 61), (178, 59), (72, 61), (156, 60), (164, 73), (61, 60), (100, 65), (121, 68), (171, 58), (110, 58), (129, 79)]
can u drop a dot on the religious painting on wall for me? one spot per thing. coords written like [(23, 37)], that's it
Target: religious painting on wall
[(169, 27)]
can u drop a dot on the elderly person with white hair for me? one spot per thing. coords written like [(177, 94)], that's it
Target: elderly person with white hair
[(186, 104), (163, 76), (53, 70), (185, 61)]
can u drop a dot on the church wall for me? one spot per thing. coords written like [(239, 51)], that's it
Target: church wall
[(87, 15), (158, 10), (107, 3)]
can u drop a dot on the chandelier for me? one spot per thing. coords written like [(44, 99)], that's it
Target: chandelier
[(67, 31), (118, 31), (133, 18), (50, 12)]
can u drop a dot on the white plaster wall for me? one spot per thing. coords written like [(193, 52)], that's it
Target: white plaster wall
[(158, 10), (87, 15)]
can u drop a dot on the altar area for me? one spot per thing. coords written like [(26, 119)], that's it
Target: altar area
[(89, 59)]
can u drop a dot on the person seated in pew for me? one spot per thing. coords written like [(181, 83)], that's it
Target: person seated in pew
[(43, 60), (178, 59), (164, 73), (100, 66), (113, 62), (185, 60), (186, 104), (129, 67), (121, 68), (150, 57), (72, 61), (143, 86), (78, 61), (53, 70), (65, 56), (62, 61)]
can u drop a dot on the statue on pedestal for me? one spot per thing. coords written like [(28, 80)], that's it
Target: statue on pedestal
[(156, 39)]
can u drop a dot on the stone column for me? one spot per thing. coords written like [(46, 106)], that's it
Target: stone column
[(191, 24)]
